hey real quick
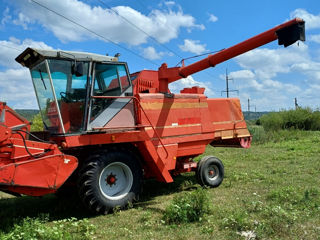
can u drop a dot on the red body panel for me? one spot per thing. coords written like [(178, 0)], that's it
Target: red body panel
[(189, 122)]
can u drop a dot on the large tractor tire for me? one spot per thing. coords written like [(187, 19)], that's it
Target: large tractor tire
[(110, 179), (210, 171)]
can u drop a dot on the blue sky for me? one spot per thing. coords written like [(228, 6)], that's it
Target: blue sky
[(271, 76)]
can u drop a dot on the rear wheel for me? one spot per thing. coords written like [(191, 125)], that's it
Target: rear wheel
[(110, 179), (210, 171)]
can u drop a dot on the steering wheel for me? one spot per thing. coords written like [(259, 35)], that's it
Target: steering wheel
[(65, 97)]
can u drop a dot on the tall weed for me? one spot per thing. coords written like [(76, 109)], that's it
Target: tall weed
[(260, 136), (301, 118), (188, 207)]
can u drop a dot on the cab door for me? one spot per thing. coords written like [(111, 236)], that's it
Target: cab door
[(111, 80)]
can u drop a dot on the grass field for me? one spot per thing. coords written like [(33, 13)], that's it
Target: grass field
[(270, 191)]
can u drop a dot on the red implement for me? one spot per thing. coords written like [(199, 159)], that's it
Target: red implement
[(29, 167)]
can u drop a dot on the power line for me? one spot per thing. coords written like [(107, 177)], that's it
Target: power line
[(132, 24), (101, 36), (93, 32), (200, 55)]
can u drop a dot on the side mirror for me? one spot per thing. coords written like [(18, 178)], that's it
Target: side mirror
[(77, 69)]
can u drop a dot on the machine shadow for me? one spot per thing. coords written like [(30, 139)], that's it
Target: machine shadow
[(153, 189), (14, 209)]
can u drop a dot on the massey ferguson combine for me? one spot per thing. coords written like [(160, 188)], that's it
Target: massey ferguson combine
[(106, 129)]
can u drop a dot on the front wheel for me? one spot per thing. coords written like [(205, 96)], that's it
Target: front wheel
[(108, 180), (210, 171)]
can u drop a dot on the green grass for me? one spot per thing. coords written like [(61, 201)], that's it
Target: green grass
[(271, 190), (40, 228)]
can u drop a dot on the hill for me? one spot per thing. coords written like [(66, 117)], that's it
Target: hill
[(253, 115), (27, 113)]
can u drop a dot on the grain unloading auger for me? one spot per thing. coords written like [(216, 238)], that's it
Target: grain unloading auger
[(120, 128)]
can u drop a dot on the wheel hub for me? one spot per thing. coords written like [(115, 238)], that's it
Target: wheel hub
[(111, 179), (115, 180), (213, 172)]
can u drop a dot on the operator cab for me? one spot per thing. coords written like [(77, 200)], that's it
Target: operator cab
[(68, 86)]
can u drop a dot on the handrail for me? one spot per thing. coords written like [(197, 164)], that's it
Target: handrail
[(116, 127), (134, 98)]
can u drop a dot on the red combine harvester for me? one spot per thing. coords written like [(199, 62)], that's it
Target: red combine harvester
[(107, 130)]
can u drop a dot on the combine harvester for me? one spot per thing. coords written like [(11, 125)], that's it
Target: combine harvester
[(106, 129)]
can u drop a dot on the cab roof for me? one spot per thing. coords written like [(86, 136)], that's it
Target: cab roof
[(32, 56)]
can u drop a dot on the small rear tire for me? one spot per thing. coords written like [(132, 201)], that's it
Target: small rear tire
[(108, 180), (210, 171)]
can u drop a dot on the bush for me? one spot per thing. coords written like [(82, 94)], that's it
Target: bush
[(188, 207), (301, 118), (272, 121), (258, 134), (37, 124), (315, 121)]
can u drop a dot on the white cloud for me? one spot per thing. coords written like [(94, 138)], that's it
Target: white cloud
[(261, 82), (152, 54), (264, 79), (267, 63), (6, 16), (164, 24), (15, 81), (169, 3), (193, 46), (15, 40), (246, 79), (213, 18), (188, 82), (22, 20), (306, 66), (16, 89), (315, 86), (312, 21), (279, 87), (314, 38), (12, 48), (242, 74)]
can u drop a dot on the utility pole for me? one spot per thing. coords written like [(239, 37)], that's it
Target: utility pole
[(296, 103), (227, 85), (248, 105)]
